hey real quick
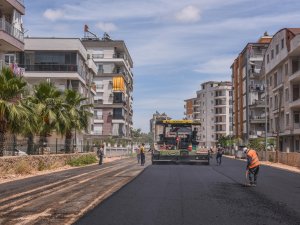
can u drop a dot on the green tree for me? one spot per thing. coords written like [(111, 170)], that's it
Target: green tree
[(50, 110), (79, 115), (11, 111)]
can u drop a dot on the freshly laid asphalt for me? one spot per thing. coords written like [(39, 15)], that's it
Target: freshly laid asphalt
[(201, 194)]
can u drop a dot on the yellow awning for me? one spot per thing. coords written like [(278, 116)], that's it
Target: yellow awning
[(119, 84)]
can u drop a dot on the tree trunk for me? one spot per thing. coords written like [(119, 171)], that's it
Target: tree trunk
[(3, 131), (30, 144), (68, 141)]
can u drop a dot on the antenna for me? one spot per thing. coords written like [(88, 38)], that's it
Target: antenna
[(106, 37), (88, 34)]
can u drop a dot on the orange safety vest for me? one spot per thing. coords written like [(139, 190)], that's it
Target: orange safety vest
[(254, 161)]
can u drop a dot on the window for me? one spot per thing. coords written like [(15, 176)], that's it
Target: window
[(282, 43), (287, 118), (100, 68), (296, 145), (271, 102), (272, 54), (286, 69), (271, 124), (275, 79), (270, 83), (277, 49), (268, 58), (296, 117)]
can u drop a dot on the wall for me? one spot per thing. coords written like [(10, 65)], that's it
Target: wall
[(291, 159)]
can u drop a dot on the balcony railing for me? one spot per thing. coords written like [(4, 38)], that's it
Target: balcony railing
[(51, 67), (98, 117), (118, 117), (97, 56), (8, 28), (98, 101), (257, 87)]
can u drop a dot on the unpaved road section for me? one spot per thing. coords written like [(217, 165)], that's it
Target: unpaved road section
[(62, 197)]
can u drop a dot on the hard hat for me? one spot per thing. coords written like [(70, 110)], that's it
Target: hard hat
[(245, 149)]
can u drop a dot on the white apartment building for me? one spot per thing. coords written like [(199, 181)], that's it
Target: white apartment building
[(114, 87), (213, 109), (64, 62), (282, 72), (11, 33)]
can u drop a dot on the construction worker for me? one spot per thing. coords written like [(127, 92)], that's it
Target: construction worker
[(252, 165), (220, 152)]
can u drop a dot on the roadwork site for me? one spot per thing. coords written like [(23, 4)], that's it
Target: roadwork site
[(62, 197)]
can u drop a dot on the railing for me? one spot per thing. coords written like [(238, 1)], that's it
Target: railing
[(98, 101), (97, 56), (257, 87), (98, 117), (99, 86), (52, 67), (8, 28), (118, 117), (21, 2)]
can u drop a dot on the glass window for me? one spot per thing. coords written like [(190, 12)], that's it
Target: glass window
[(277, 49), (272, 54), (282, 43)]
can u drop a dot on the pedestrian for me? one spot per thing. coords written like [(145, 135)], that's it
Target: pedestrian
[(210, 152), (220, 153), (100, 153), (252, 165), (138, 154), (142, 151)]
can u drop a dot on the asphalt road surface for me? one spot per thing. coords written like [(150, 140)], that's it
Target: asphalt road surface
[(201, 194)]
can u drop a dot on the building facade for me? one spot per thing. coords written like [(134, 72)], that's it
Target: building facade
[(157, 117), (64, 62), (189, 108), (213, 108), (249, 117), (113, 101), (11, 33), (282, 75)]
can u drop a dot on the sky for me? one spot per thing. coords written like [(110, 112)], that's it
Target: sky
[(175, 45)]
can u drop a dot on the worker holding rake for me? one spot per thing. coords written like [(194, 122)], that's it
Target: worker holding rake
[(252, 165)]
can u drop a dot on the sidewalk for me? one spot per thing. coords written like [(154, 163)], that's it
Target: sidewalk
[(276, 165)]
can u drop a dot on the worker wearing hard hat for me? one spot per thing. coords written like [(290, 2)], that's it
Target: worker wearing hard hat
[(252, 165)]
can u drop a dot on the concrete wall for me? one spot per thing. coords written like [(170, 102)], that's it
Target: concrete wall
[(291, 158)]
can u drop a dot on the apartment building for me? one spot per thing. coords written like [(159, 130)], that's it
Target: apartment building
[(213, 108), (113, 101), (157, 117), (11, 33), (249, 117), (189, 108), (64, 62), (282, 73)]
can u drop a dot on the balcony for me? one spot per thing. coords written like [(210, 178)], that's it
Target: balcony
[(98, 118), (11, 38), (51, 68), (295, 77), (118, 117), (256, 57), (98, 101), (295, 104), (258, 104), (254, 74), (257, 88), (257, 119)]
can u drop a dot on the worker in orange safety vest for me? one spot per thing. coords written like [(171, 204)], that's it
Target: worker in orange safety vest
[(252, 165)]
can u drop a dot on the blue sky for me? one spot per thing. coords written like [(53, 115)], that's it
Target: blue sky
[(175, 45)]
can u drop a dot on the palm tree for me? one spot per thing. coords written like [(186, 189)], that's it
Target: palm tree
[(11, 111), (50, 110), (79, 115)]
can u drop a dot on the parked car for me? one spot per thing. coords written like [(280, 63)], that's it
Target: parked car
[(239, 154), (19, 152)]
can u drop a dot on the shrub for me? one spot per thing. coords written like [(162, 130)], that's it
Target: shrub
[(82, 160), (23, 167)]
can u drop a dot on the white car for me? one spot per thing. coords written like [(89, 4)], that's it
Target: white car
[(20, 153)]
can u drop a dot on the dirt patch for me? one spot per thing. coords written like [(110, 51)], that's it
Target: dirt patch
[(12, 177)]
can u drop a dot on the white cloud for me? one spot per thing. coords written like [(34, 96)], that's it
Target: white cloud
[(106, 27), (188, 14), (216, 66), (53, 15)]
